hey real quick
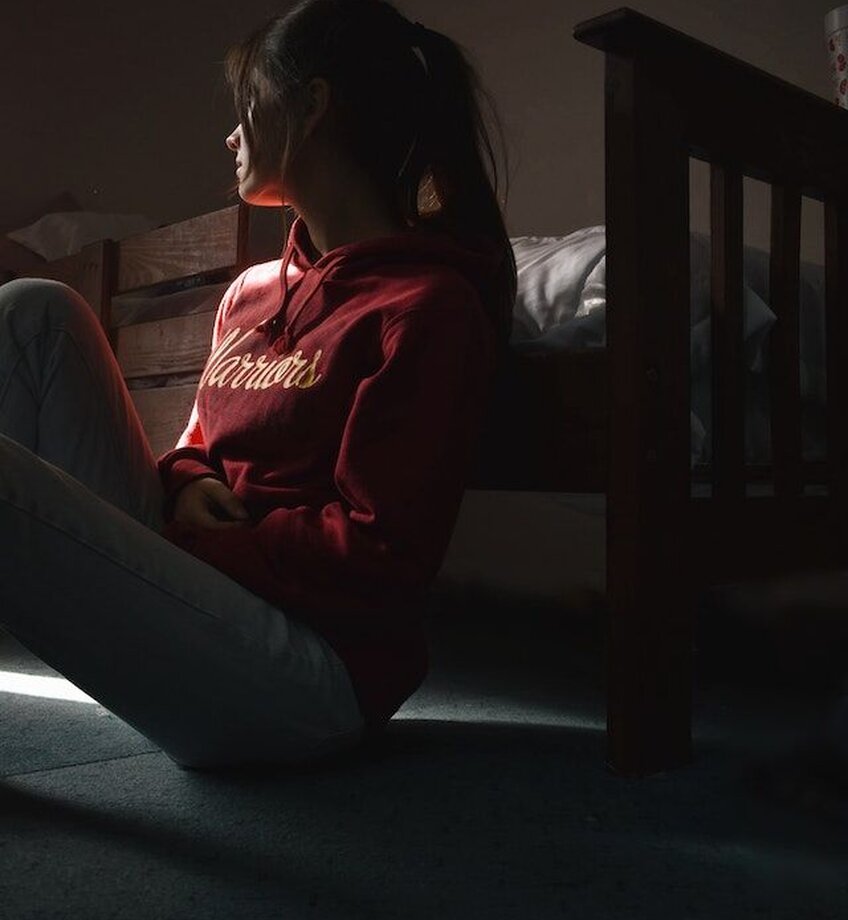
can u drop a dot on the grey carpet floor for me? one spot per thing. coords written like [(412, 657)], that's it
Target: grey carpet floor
[(488, 798)]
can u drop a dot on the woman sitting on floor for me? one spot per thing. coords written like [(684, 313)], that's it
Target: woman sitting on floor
[(253, 596)]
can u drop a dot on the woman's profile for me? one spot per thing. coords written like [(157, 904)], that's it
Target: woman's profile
[(253, 595)]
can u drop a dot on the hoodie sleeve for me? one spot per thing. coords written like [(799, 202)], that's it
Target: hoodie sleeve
[(188, 459), (400, 474)]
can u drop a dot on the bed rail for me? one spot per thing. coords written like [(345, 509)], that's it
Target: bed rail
[(668, 98)]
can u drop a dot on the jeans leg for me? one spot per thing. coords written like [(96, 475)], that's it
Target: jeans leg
[(62, 395), (208, 671)]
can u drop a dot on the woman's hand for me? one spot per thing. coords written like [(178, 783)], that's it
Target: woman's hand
[(208, 502)]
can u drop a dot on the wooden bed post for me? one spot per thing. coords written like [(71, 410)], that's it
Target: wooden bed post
[(669, 97), (649, 637)]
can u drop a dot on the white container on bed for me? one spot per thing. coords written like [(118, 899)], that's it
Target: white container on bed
[(836, 36)]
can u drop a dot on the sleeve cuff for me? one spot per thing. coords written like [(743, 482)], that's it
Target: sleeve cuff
[(180, 473)]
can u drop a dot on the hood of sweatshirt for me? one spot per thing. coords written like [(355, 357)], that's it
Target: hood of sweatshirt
[(345, 268)]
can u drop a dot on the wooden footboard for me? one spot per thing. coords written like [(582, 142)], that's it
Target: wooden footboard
[(668, 98)]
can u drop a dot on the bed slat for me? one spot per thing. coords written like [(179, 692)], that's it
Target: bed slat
[(177, 345), (784, 343), (208, 243), (164, 413), (728, 386), (836, 345)]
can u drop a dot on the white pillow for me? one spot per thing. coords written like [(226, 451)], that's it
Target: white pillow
[(63, 233), (552, 271), (561, 297)]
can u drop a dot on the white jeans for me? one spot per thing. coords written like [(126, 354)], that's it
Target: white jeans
[(208, 671)]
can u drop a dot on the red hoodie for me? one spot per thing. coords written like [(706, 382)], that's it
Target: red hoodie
[(342, 403)]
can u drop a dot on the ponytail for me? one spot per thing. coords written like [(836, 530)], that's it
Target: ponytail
[(459, 197), (407, 112)]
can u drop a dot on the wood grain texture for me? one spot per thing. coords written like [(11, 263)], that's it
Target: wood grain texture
[(164, 413), (207, 243), (177, 345)]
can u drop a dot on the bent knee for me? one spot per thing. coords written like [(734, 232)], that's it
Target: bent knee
[(46, 296), (19, 289)]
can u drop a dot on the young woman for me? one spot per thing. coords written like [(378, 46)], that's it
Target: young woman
[(253, 595)]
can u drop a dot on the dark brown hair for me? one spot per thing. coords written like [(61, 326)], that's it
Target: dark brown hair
[(406, 106)]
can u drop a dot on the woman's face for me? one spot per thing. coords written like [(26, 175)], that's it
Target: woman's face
[(253, 188), (267, 190)]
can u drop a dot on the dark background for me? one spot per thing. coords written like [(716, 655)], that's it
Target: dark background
[(124, 105)]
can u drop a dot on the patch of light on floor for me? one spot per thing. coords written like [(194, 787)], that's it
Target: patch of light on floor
[(490, 710), (51, 688)]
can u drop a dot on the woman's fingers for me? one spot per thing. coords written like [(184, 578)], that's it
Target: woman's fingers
[(209, 503), (225, 499)]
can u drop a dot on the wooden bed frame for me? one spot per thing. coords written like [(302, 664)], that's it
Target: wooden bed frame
[(623, 411)]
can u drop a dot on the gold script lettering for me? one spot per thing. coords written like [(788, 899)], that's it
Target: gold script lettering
[(225, 346), (243, 371), (309, 372)]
